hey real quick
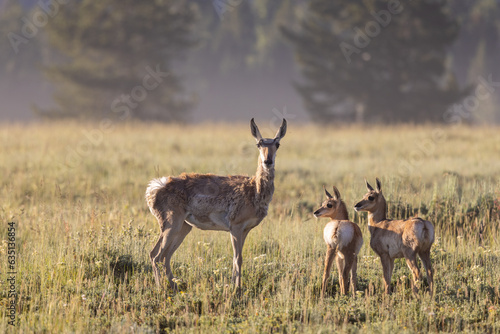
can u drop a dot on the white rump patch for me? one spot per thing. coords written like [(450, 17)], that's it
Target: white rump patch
[(338, 234), (154, 186), (420, 233)]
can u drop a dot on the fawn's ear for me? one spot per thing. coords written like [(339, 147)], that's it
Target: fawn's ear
[(379, 185), (336, 193), (282, 131), (368, 186), (327, 193), (255, 130)]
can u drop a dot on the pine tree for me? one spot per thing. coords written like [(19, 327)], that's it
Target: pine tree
[(376, 60), (20, 51), (476, 53), (240, 37), (117, 59)]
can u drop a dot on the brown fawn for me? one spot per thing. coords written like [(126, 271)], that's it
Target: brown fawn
[(392, 239), (343, 242)]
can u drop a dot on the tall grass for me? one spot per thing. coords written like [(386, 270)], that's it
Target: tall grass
[(84, 232)]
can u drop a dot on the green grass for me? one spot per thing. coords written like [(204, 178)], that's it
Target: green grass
[(84, 232)]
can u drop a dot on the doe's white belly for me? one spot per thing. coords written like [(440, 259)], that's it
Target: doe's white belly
[(215, 221)]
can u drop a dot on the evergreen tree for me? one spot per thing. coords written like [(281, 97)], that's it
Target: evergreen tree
[(376, 60), (477, 48), (20, 51), (117, 58), (242, 37), (476, 52)]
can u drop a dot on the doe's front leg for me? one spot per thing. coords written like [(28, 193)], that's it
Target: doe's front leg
[(237, 240)]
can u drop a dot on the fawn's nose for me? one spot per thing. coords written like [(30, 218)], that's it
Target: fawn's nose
[(316, 213), (357, 206)]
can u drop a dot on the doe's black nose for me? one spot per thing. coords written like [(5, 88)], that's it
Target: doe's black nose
[(268, 162)]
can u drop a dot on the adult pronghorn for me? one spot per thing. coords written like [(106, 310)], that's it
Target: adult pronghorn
[(235, 204), (343, 241), (392, 239)]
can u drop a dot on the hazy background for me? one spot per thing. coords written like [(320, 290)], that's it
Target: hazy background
[(239, 58)]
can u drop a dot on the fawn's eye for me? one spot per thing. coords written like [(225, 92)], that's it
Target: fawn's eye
[(371, 198), (329, 206)]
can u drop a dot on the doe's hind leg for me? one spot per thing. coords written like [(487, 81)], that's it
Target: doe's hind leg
[(174, 230), (154, 256)]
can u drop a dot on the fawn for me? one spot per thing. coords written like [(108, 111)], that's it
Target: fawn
[(392, 239), (343, 241)]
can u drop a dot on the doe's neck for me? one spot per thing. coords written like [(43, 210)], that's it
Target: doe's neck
[(264, 181)]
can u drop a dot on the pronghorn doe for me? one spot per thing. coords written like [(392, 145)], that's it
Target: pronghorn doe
[(232, 203), (392, 239), (343, 241)]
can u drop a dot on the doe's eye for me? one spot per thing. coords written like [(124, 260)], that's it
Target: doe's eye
[(371, 198), (277, 145), (329, 206)]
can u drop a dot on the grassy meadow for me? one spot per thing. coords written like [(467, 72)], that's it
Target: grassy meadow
[(83, 232)]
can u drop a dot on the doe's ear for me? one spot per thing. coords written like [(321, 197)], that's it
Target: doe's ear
[(255, 130), (368, 186), (282, 130), (379, 185)]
